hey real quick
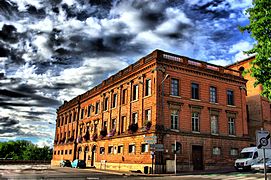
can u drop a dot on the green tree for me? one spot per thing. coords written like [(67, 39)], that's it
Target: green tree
[(24, 150), (260, 29)]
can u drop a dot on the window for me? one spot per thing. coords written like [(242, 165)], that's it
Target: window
[(175, 87), (113, 124), (195, 91), (102, 150), (61, 152), (66, 151), (213, 98), (106, 104), (148, 115), (195, 121), (124, 94), (70, 119), (97, 107), (89, 110), (70, 151), (82, 113), (234, 152), (174, 119), (120, 149), (115, 100), (148, 87), (58, 152), (131, 148), (216, 150), (66, 119), (105, 125), (230, 97), (134, 118), (231, 125), (144, 148), (214, 124), (74, 116), (123, 124), (110, 149), (54, 152), (135, 92), (179, 146)]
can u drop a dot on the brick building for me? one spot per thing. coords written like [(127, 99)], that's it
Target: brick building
[(258, 107), (200, 105)]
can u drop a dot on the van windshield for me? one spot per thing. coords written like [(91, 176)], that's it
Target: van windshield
[(246, 155)]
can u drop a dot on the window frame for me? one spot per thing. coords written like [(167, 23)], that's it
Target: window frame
[(195, 91), (106, 101), (146, 148), (133, 149), (148, 87), (195, 122), (174, 122), (114, 100), (97, 107), (217, 126), (230, 97), (135, 92), (213, 94), (231, 126), (174, 87)]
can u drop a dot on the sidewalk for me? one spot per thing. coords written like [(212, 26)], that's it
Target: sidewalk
[(205, 172)]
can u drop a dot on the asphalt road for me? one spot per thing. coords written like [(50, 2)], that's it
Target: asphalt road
[(30, 172)]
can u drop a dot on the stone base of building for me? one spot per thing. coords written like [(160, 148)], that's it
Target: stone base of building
[(123, 167)]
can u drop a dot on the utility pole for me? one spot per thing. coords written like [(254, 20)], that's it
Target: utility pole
[(175, 157)]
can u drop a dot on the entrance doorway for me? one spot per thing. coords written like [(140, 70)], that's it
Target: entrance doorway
[(197, 157), (93, 151)]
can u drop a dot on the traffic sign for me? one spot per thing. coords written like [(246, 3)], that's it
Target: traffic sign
[(263, 140), (151, 141)]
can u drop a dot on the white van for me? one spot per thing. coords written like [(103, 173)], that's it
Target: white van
[(250, 156)]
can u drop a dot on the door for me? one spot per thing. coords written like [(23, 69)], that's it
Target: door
[(197, 157)]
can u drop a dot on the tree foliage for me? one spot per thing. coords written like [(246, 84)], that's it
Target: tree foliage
[(260, 29), (24, 150)]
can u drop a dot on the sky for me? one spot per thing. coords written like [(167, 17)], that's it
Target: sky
[(54, 50)]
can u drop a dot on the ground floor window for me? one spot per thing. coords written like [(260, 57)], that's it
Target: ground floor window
[(110, 149), (131, 148), (120, 149), (102, 150), (144, 148), (216, 151), (234, 152)]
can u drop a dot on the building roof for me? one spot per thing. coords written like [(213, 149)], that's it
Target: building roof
[(241, 61)]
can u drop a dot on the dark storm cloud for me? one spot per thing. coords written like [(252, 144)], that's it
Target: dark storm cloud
[(7, 8), (7, 122), (9, 34), (25, 96), (211, 9)]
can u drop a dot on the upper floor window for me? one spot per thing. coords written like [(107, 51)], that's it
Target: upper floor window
[(148, 87), (230, 97), (106, 104), (115, 100), (74, 116), (174, 119), (120, 149), (195, 91), (97, 107), (134, 118), (214, 124), (124, 98), (82, 113), (175, 87), (135, 92), (195, 121), (148, 115), (113, 124), (213, 95), (89, 110), (231, 122)]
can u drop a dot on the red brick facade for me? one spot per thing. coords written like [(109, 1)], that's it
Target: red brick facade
[(258, 107), (172, 97)]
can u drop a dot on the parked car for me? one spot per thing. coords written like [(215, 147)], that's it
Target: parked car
[(260, 165), (65, 163), (78, 164)]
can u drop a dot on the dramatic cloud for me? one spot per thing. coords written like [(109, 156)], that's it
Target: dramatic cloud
[(54, 50)]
